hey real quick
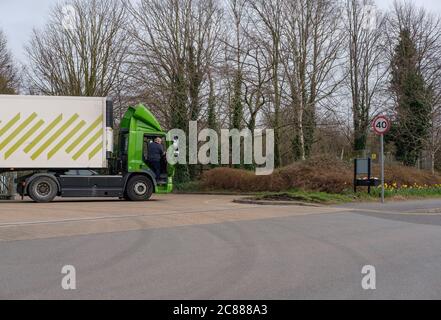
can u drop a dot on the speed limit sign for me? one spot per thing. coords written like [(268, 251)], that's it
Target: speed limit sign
[(381, 125)]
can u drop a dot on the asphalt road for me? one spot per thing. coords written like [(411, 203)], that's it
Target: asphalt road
[(205, 247)]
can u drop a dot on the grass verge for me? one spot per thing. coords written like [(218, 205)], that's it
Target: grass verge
[(316, 197), (329, 198), (305, 196)]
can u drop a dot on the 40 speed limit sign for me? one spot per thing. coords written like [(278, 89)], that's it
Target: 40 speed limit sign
[(381, 125)]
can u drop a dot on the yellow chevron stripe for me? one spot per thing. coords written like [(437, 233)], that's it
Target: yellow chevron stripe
[(23, 139), (88, 144), (43, 134), (17, 131), (89, 130), (55, 136), (10, 124), (65, 140)]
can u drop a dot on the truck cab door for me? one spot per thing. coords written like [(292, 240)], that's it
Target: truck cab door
[(148, 139)]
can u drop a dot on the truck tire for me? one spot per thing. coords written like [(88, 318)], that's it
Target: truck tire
[(139, 188), (43, 189)]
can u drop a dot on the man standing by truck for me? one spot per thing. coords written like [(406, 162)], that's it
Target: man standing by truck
[(156, 152)]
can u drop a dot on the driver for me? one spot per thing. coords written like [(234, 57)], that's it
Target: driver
[(156, 152)]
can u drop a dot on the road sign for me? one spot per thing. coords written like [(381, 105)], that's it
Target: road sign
[(381, 125)]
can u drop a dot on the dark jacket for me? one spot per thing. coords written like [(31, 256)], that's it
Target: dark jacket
[(156, 151)]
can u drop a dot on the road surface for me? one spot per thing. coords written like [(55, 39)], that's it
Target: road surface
[(206, 247)]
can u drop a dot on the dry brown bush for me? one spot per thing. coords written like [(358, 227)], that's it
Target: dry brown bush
[(408, 176), (318, 174)]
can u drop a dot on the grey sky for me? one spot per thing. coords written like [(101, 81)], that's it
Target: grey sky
[(18, 17)]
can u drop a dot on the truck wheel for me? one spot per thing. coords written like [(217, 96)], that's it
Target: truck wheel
[(43, 189), (139, 188)]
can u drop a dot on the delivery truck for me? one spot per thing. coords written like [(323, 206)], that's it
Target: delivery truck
[(64, 146)]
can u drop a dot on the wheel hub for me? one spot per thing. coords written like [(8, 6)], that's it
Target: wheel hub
[(140, 189), (43, 189)]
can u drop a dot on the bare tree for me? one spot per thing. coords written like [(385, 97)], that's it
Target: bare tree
[(367, 69), (248, 68), (311, 62), (236, 54), (8, 70), (82, 49), (268, 23), (257, 84), (176, 42), (434, 143)]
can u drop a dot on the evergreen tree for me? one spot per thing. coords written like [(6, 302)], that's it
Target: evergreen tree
[(413, 102)]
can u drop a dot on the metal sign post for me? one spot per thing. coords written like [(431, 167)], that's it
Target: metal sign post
[(381, 126), (382, 167)]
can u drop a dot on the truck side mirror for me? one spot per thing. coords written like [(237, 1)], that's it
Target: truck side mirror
[(176, 147)]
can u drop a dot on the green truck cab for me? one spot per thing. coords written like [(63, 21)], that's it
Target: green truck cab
[(138, 129)]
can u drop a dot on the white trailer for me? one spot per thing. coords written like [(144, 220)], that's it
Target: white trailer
[(40, 132)]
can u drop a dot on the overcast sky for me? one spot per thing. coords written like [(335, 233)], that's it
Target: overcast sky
[(18, 17)]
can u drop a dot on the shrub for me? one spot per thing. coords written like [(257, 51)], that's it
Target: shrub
[(318, 174), (322, 174)]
